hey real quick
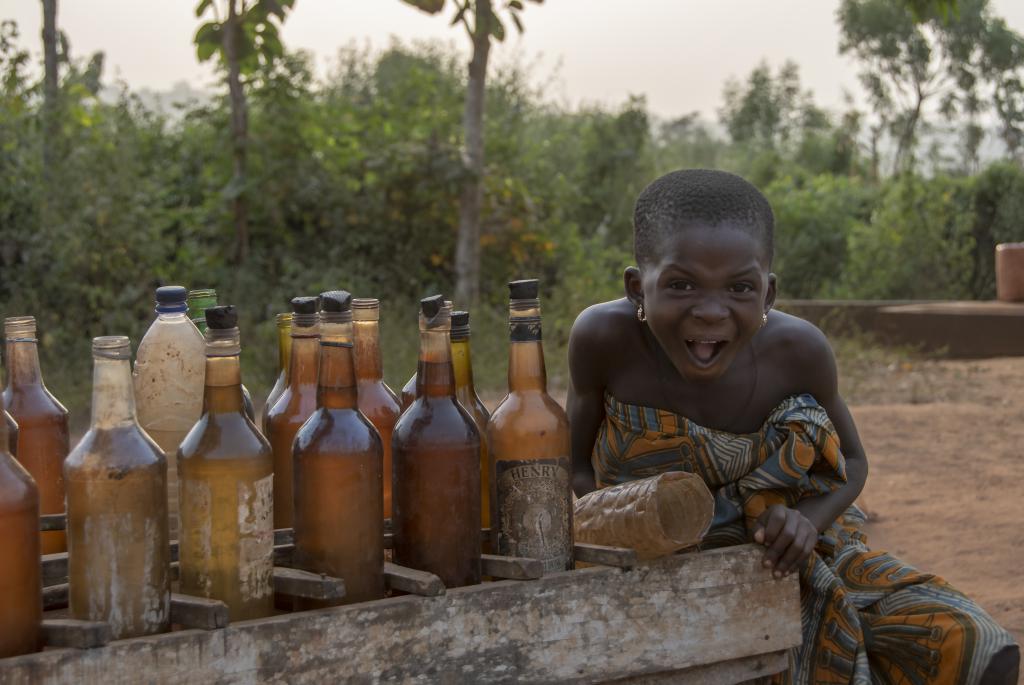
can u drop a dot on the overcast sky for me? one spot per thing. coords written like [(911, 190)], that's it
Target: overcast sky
[(678, 53)]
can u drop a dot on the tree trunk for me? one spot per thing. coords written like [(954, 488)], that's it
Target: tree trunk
[(51, 88), (467, 251), (239, 133)]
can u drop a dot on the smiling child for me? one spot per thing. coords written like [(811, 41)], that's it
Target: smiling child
[(694, 371)]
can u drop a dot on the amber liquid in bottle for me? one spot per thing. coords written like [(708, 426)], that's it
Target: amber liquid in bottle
[(465, 392), (408, 392), (284, 353), (339, 526), (296, 404), (12, 431), (377, 401), (21, 604), (43, 437), (436, 452), (226, 488), (118, 548), (528, 436)]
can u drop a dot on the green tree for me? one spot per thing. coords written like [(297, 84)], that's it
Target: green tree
[(484, 25), (244, 34)]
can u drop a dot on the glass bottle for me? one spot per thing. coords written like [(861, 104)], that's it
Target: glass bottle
[(295, 405), (116, 476), (12, 431), (284, 352), (170, 365), (42, 421), (528, 435), (436, 452), (376, 400), (21, 600), (409, 392), (462, 366), (339, 523), (199, 300), (226, 550)]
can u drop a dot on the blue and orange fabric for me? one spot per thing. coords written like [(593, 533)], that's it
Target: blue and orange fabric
[(867, 617)]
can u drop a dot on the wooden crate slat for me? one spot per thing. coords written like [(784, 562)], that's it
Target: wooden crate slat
[(296, 583), (511, 568), (412, 581), (68, 632), (52, 522), (714, 608), (55, 596), (620, 557), (198, 612)]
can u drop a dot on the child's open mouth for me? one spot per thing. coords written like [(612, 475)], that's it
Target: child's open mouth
[(705, 351)]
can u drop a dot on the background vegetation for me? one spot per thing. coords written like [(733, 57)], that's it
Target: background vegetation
[(354, 181)]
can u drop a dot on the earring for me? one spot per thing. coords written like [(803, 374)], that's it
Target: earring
[(764, 319), (640, 316)]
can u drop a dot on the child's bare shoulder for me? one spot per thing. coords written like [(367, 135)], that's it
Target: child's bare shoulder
[(801, 350), (607, 327)]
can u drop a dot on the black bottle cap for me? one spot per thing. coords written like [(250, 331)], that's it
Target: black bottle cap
[(171, 294), (527, 289), (222, 317), (304, 305), (460, 318), (336, 301), (430, 306)]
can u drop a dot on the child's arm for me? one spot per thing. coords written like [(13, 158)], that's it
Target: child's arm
[(790, 534), (585, 402)]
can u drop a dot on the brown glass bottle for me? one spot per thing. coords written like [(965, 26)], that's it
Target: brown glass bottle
[(116, 476), (226, 475), (295, 405), (339, 523), (409, 392), (436, 452), (528, 435), (377, 401), (43, 437), (284, 353), (465, 392), (21, 604), (12, 430)]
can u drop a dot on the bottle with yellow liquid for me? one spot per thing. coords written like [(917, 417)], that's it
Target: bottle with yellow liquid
[(377, 401), (21, 603), (436, 452), (462, 366), (226, 550), (339, 526), (116, 478), (296, 404), (284, 353), (199, 301), (44, 439), (528, 436)]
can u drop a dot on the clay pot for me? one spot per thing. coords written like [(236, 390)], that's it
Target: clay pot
[(1010, 272)]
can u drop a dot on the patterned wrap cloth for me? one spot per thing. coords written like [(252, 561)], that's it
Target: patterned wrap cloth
[(867, 617)]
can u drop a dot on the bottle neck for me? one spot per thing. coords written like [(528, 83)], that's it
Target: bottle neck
[(23, 363), (284, 349), (525, 352), (336, 388), (369, 366), (434, 374), (113, 400), (222, 393), (304, 358), (462, 367), (4, 433)]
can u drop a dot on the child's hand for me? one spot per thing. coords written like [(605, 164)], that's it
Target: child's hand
[(788, 535)]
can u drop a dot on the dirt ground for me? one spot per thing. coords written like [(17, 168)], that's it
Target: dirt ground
[(945, 445)]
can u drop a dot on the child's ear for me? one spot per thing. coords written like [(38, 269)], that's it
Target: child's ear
[(769, 296), (633, 285)]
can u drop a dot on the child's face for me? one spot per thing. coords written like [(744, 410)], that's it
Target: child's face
[(704, 295)]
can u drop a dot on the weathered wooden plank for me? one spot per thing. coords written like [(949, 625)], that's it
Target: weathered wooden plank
[(585, 626), (412, 581), (67, 632), (55, 596), (198, 612), (511, 568), (296, 583), (52, 522), (620, 557), (55, 568), (740, 670)]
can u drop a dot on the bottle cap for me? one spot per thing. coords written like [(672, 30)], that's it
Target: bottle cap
[(336, 301), (304, 305), (222, 317), (460, 318), (171, 298), (527, 289), (431, 306)]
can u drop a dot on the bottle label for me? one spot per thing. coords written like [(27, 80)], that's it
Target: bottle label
[(533, 511), (524, 329), (256, 542)]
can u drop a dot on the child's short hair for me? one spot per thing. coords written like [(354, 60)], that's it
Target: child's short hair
[(706, 197)]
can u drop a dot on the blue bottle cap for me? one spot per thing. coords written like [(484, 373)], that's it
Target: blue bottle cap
[(171, 298)]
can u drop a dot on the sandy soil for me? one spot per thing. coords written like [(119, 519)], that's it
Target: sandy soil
[(945, 445)]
